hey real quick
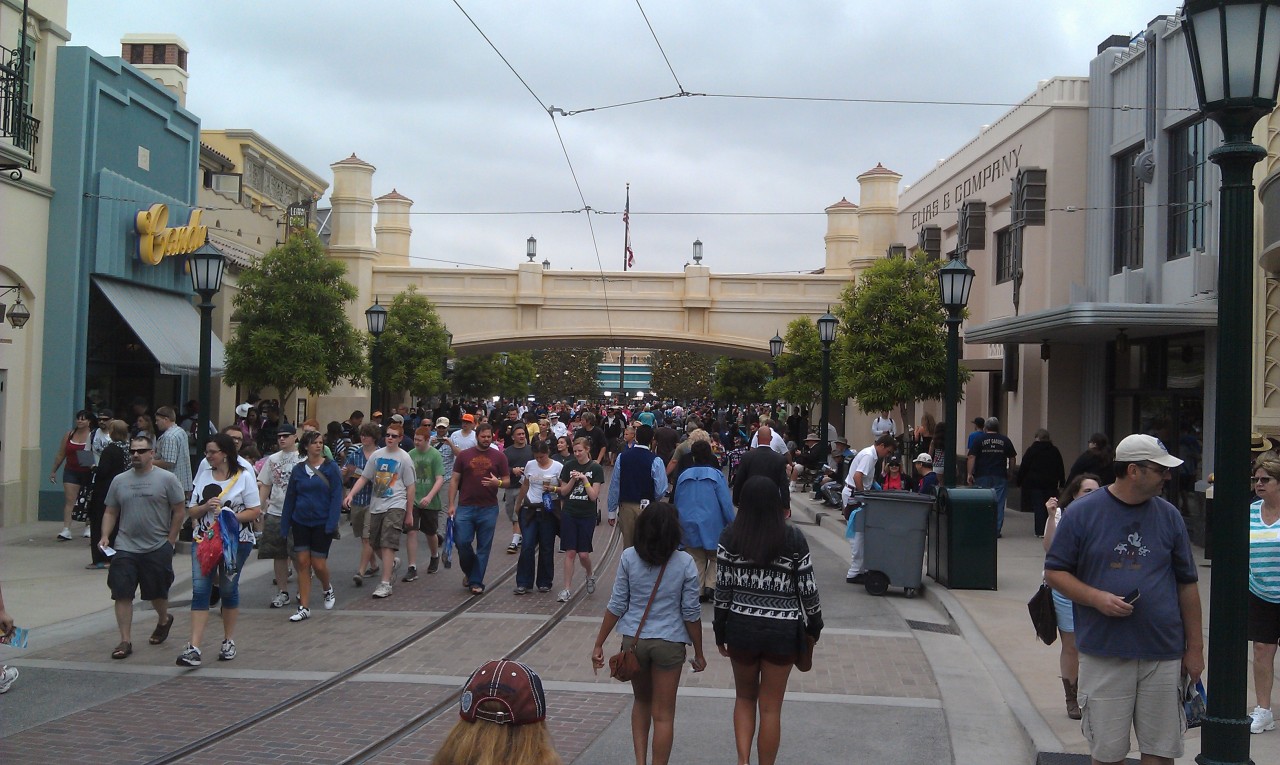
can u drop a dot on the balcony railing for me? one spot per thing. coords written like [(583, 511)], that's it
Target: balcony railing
[(16, 123)]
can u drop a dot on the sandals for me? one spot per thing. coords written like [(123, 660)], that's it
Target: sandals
[(123, 650), (477, 589), (161, 633)]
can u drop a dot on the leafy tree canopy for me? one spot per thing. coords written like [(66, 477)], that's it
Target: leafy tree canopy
[(413, 347), (740, 381), (681, 375), (891, 347), (294, 331), (566, 373), (800, 365)]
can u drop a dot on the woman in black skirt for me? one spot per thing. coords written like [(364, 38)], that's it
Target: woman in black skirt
[(762, 561)]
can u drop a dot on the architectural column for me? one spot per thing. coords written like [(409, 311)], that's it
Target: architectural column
[(392, 229), (841, 238), (877, 215), (1266, 301)]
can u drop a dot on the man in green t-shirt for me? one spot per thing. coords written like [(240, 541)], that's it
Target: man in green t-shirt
[(580, 482), (428, 468)]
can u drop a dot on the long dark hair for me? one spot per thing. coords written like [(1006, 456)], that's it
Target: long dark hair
[(1073, 488), (701, 451), (227, 446), (759, 532), (657, 533)]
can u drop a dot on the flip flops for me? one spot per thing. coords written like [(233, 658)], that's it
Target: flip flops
[(477, 589), (123, 650), (161, 633)]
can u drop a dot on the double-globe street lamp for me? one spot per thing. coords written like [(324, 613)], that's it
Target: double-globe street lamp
[(376, 317), (206, 265), (827, 334), (1234, 47), (955, 279)]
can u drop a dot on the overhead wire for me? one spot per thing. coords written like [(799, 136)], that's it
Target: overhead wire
[(660, 48)]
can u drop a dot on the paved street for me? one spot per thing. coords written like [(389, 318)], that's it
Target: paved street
[(946, 677)]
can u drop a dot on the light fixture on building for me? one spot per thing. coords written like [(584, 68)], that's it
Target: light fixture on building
[(18, 314), (697, 252), (1122, 342), (531, 249), (775, 345), (1045, 351), (897, 250), (546, 263)]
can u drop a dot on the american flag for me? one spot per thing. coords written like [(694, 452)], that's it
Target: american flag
[(628, 257)]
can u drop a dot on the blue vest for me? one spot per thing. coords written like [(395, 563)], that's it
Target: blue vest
[(636, 479)]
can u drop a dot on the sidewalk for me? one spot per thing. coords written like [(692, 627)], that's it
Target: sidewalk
[(1000, 618)]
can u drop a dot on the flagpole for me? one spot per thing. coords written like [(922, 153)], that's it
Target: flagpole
[(626, 264)]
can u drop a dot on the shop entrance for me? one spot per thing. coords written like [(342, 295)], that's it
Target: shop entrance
[(120, 369)]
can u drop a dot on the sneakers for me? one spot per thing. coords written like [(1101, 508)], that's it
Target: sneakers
[(434, 565), (8, 676), (358, 579), (1261, 719), (410, 574), (563, 597), (370, 570), (64, 535), (330, 600), (591, 585), (522, 590), (514, 547), (228, 651), (280, 600), (303, 614), (190, 657), (383, 590), (86, 532), (544, 589)]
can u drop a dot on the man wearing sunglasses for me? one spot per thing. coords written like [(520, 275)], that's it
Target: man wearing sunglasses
[(272, 483), (148, 504), (1123, 556)]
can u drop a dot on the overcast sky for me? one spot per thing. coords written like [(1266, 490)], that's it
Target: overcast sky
[(414, 89)]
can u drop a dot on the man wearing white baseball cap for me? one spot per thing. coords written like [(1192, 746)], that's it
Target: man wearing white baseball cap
[(1123, 556)]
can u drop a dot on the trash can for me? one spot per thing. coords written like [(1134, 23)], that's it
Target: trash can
[(963, 555), (894, 524)]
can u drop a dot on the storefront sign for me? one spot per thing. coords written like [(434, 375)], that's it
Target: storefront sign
[(987, 172), (156, 240)]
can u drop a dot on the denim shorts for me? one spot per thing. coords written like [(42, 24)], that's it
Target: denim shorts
[(313, 539)]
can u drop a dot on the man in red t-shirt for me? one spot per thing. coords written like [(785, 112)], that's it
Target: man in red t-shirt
[(478, 473)]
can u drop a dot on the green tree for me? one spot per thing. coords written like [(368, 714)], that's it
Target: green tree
[(800, 365), (566, 373), (891, 346), (740, 381), (517, 374), (681, 375), (477, 376), (413, 347), (294, 331)]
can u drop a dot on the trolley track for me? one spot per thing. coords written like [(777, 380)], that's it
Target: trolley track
[(339, 679)]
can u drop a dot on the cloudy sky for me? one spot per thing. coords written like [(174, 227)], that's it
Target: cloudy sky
[(414, 89)]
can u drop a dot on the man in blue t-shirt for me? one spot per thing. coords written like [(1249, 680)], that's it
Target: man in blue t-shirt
[(1123, 556)]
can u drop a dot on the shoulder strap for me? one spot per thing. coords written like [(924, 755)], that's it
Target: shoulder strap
[(795, 579), (653, 594)]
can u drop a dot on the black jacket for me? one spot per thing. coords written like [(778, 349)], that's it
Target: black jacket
[(1041, 467), (766, 462)]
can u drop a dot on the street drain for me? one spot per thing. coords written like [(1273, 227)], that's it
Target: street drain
[(945, 629)]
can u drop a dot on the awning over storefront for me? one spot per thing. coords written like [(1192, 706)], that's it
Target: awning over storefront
[(166, 323), (1083, 323)]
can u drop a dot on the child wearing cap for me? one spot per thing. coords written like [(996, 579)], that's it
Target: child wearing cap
[(503, 714)]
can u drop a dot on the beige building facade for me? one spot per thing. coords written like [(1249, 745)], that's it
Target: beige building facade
[(25, 192)]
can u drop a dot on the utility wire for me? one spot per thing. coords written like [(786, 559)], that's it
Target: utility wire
[(660, 49)]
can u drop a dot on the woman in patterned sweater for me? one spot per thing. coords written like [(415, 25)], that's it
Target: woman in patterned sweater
[(762, 562)]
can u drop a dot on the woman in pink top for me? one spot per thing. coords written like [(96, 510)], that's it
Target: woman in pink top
[(75, 457)]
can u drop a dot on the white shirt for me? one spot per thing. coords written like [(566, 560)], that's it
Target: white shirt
[(559, 429), (462, 441), (864, 462), (775, 442), (882, 425)]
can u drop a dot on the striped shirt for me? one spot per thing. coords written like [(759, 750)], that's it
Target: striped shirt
[(357, 460), (1264, 556)]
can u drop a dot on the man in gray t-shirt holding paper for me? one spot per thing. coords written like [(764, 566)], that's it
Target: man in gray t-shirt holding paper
[(148, 504)]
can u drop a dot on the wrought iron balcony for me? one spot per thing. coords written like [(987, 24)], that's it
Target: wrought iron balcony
[(17, 127)]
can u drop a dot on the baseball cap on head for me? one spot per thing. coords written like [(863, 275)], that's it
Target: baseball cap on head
[(504, 692), (397, 418), (923, 459), (286, 429), (443, 422), (1140, 447), (468, 417)]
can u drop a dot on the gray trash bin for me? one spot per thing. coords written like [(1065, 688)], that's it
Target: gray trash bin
[(894, 524)]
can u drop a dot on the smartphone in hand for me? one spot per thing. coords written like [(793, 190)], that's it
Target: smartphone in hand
[(1133, 596)]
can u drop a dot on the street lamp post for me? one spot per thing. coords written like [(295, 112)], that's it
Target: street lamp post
[(955, 279), (1236, 66), (206, 265), (776, 345), (376, 317), (827, 334)]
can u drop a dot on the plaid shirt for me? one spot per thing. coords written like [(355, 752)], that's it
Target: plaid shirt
[(357, 460)]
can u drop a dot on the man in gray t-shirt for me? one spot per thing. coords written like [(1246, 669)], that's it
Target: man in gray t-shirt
[(148, 504)]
